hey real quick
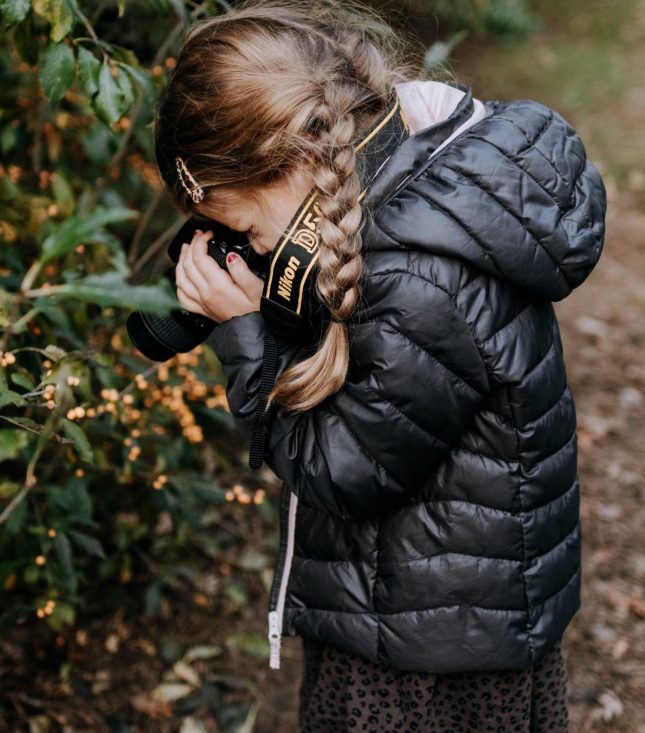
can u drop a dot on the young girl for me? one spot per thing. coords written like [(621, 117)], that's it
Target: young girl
[(426, 437)]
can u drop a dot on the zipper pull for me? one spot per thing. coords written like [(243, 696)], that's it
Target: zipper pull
[(274, 640)]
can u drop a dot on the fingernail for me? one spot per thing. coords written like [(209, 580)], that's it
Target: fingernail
[(231, 257), (198, 231)]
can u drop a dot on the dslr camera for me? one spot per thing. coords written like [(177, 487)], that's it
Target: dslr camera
[(160, 337)]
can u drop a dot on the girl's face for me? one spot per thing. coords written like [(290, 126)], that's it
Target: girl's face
[(263, 216)]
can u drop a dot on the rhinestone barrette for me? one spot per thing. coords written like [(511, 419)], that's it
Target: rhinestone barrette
[(195, 190)]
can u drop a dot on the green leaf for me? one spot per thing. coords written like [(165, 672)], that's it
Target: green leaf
[(126, 88), (250, 642), (88, 71), (59, 14), (250, 559), (63, 615), (22, 380), (23, 377), (16, 520), (109, 102), (142, 80), (11, 398), (8, 489), (78, 230), (81, 500), (64, 551), (12, 441), (110, 288), (81, 442), (63, 193), (8, 139), (123, 54), (57, 71), (90, 544), (13, 11)]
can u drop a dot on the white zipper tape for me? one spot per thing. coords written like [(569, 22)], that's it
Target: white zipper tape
[(275, 617)]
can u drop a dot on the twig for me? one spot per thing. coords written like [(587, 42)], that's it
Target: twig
[(143, 223), (155, 247), (88, 25), (23, 320), (30, 479)]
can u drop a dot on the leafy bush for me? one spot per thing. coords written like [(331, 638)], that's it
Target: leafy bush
[(103, 457)]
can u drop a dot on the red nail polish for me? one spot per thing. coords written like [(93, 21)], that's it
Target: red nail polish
[(231, 257)]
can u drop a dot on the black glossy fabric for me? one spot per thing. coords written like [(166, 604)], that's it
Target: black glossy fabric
[(437, 528)]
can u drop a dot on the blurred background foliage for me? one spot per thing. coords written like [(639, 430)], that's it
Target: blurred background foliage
[(108, 486)]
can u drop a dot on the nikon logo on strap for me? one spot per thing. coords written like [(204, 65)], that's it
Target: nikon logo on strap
[(286, 280), (294, 257)]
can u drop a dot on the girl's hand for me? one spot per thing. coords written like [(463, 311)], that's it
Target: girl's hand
[(206, 288)]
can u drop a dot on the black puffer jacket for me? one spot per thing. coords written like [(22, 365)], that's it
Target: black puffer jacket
[(429, 511)]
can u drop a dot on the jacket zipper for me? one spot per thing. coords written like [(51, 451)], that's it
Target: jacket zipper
[(288, 507)]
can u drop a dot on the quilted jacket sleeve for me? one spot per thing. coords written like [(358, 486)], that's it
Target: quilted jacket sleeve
[(416, 381)]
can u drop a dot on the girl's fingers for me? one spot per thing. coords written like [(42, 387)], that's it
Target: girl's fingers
[(248, 281), (193, 271), (210, 289), (203, 262), (189, 304), (186, 288)]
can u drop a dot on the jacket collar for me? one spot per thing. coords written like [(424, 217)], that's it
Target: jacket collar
[(416, 149)]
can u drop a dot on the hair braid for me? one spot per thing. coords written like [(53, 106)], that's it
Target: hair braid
[(340, 263)]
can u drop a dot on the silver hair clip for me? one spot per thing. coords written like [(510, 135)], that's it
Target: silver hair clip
[(197, 192)]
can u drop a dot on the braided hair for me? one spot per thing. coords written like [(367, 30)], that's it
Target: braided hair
[(319, 74)]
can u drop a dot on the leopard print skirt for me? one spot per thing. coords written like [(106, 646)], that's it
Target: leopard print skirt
[(340, 693)]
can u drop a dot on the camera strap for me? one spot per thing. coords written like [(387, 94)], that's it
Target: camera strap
[(291, 310)]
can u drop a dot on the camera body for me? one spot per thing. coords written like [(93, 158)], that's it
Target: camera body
[(160, 337), (224, 240), (294, 314)]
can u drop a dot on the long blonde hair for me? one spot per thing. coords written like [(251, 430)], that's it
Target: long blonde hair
[(266, 90)]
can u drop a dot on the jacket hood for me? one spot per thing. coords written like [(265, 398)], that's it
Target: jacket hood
[(509, 190)]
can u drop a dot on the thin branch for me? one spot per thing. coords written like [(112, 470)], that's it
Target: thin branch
[(88, 25), (23, 320), (143, 224), (155, 248), (30, 477)]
